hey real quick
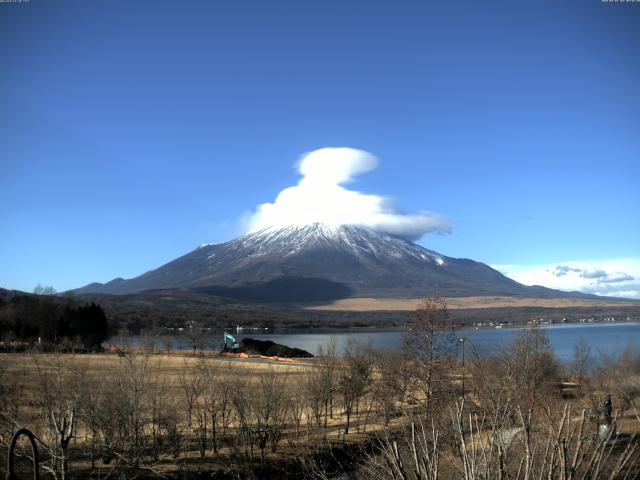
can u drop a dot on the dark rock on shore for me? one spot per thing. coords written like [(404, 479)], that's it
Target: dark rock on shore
[(268, 348)]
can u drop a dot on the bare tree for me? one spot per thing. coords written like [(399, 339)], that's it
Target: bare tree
[(44, 290), (581, 359), (430, 342), (493, 387), (163, 419), (327, 365), (122, 413), (225, 385), (89, 393), (195, 333), (391, 383), (190, 386), (57, 404), (270, 411), (296, 402), (12, 388), (354, 379), (414, 456), (241, 401), (531, 360), (316, 395), (554, 448), (167, 342)]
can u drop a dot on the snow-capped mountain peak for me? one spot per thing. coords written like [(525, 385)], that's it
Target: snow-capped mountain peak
[(328, 260), (356, 239)]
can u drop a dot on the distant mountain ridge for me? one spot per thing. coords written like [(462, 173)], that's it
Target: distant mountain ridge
[(320, 262)]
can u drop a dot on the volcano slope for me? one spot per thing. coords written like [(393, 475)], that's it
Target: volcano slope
[(321, 263)]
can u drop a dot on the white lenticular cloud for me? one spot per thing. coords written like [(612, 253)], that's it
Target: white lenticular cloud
[(320, 197), (335, 165)]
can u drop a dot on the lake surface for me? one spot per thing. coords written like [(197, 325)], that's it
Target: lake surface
[(603, 338)]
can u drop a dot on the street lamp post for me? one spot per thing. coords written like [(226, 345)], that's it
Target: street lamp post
[(462, 340)]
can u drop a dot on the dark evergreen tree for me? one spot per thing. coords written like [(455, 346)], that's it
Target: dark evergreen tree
[(49, 320)]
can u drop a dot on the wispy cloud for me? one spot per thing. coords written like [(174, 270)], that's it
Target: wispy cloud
[(320, 196), (616, 278), (562, 270), (608, 277), (593, 274)]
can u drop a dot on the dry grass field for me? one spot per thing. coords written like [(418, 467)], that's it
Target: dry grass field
[(462, 303), (168, 367), (177, 415), (175, 396)]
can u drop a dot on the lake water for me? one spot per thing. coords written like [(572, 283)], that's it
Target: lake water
[(603, 338)]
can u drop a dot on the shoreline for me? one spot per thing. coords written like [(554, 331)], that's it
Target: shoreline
[(373, 328)]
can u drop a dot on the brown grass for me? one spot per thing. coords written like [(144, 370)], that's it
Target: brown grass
[(171, 366), (463, 303)]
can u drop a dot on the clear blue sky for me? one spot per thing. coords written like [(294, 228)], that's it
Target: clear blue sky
[(132, 131)]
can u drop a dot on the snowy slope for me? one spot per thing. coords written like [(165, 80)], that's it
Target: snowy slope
[(356, 261)]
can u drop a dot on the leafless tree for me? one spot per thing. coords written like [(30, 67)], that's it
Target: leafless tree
[(430, 342), (414, 456), (316, 396), (353, 380), (163, 418), (12, 391), (296, 401), (190, 385), (270, 410), (167, 342), (195, 333), (225, 385), (535, 371), (58, 404), (241, 401), (44, 290), (89, 392), (555, 448), (581, 359), (391, 383), (327, 364), (123, 412)]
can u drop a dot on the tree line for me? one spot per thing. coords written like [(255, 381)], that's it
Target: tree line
[(49, 321)]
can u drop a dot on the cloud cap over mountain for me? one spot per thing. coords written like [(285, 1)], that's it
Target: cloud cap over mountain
[(320, 197)]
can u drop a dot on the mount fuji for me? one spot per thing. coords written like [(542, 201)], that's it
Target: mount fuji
[(318, 262)]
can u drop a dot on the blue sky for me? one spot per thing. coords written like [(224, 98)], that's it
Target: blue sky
[(131, 132)]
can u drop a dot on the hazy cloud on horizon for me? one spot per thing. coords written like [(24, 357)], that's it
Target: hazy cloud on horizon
[(609, 277)]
